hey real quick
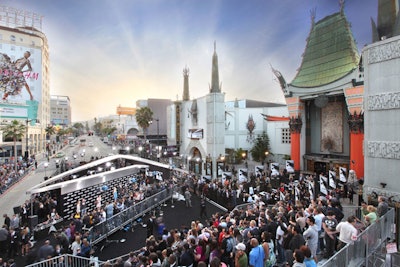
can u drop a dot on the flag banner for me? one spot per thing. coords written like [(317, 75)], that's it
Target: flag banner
[(311, 190), (282, 196), (332, 179), (274, 169), (322, 186), (297, 193), (242, 175), (259, 170), (342, 174), (290, 166), (158, 175)]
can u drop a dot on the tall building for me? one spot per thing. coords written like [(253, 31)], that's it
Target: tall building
[(60, 110), (157, 131), (206, 128), (382, 105), (24, 87), (325, 100)]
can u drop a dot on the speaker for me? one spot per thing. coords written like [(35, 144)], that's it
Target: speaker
[(17, 210), (33, 221)]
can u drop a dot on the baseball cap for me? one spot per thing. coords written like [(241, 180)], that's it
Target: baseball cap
[(241, 246)]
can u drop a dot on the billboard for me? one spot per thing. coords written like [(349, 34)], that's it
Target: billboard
[(20, 80), (195, 133), (126, 111)]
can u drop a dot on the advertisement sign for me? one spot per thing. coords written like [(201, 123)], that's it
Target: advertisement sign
[(290, 166), (274, 169), (195, 133), (20, 81)]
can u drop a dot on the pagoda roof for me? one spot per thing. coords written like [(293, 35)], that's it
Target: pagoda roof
[(330, 54)]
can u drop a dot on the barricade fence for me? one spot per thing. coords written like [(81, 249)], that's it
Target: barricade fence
[(101, 231), (369, 248), (69, 261)]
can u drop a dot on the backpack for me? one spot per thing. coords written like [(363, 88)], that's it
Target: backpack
[(229, 245), (272, 257)]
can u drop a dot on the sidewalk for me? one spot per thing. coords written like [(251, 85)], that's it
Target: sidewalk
[(16, 195)]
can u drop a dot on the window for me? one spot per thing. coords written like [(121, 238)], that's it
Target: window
[(285, 136)]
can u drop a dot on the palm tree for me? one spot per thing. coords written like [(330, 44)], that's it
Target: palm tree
[(15, 130), (144, 116), (49, 131)]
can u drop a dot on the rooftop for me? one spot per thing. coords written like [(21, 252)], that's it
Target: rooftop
[(330, 54)]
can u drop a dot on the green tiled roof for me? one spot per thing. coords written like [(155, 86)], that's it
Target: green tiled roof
[(330, 53)]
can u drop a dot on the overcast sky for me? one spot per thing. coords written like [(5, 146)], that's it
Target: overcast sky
[(105, 53)]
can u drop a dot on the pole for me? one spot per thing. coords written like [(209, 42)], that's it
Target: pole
[(26, 139), (158, 143)]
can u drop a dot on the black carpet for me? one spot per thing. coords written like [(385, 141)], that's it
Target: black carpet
[(176, 217)]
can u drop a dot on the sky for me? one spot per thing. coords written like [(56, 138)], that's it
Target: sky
[(106, 53)]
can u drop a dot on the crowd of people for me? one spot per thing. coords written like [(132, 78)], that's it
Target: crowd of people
[(9, 175), (287, 221)]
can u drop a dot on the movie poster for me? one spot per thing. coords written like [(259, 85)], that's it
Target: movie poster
[(259, 170), (290, 166), (242, 175), (274, 169)]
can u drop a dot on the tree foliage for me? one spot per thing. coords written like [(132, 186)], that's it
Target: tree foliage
[(15, 130), (49, 131), (261, 145), (143, 117)]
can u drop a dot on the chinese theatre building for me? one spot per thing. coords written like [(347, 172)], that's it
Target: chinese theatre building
[(325, 100)]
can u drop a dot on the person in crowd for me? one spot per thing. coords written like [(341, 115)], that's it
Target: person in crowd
[(45, 251), (241, 259), (329, 224), (24, 240), (308, 259), (256, 255), (298, 258), (188, 198), (371, 217), (347, 232), (14, 243), (7, 220), (311, 236), (383, 206)]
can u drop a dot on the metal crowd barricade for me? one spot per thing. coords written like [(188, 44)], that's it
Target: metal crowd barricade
[(368, 247), (68, 261), (102, 230)]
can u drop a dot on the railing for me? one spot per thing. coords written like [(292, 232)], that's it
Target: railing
[(68, 260), (366, 250), (102, 230)]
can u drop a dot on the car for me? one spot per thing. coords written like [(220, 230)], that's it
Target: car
[(60, 154), (90, 144)]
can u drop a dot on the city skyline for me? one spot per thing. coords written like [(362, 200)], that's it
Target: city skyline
[(109, 53)]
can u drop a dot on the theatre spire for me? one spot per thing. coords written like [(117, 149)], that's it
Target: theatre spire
[(215, 86)]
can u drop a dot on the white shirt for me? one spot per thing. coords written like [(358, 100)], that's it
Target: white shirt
[(347, 232)]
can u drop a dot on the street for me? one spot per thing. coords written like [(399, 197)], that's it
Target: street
[(16, 195)]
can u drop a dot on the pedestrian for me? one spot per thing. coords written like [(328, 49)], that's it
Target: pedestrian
[(256, 255), (329, 224), (241, 256), (383, 206), (188, 199), (311, 236), (203, 208), (347, 232)]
